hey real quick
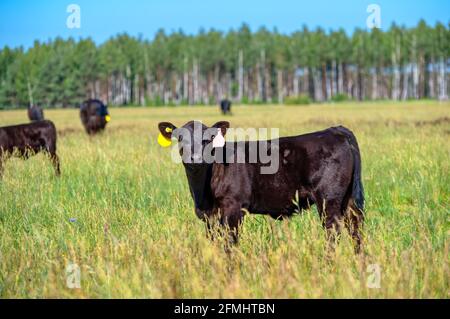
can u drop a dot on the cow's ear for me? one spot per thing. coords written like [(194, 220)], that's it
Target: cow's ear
[(166, 129), (223, 125)]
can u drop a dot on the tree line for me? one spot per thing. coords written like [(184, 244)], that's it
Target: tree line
[(244, 66)]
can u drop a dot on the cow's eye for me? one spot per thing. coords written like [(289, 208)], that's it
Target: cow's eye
[(180, 138)]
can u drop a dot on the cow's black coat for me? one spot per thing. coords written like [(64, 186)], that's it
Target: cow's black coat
[(93, 116), (225, 106), (323, 168), (28, 139), (35, 113)]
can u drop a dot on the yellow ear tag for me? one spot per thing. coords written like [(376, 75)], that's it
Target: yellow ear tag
[(164, 142), (107, 118)]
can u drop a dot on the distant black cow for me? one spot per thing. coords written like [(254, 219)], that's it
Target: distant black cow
[(322, 168), (94, 116), (28, 139), (35, 113), (225, 106)]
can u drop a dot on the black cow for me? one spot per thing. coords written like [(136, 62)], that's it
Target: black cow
[(94, 116), (35, 113), (28, 139), (225, 106), (322, 168)]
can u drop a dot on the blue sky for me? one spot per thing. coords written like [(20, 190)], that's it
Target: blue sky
[(22, 21)]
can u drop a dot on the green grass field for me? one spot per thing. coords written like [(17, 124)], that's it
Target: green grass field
[(122, 212)]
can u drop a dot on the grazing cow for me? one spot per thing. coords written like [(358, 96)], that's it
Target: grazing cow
[(225, 106), (94, 116), (28, 139), (322, 168), (35, 113)]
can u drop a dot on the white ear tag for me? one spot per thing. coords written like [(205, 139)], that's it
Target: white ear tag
[(219, 141)]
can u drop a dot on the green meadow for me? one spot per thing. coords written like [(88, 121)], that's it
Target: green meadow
[(122, 213)]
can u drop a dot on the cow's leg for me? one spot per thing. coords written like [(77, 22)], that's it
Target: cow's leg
[(3, 158), (1, 167), (55, 161), (354, 219), (231, 218), (51, 151), (332, 218), (211, 223)]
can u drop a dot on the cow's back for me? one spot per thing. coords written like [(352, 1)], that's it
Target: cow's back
[(35, 135), (303, 160)]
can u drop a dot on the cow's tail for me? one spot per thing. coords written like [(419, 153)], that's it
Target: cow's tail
[(358, 188), (357, 194), (50, 136), (355, 205)]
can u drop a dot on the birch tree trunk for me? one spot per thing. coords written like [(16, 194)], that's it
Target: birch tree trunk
[(127, 86), (306, 83), (259, 82), (241, 76), (333, 78), (263, 76), (396, 77), (268, 94), (136, 89), (318, 89), (324, 81), (414, 69), (191, 89), (442, 81), (195, 80), (147, 78), (217, 83), (108, 90), (415, 72), (431, 80), (374, 84), (246, 86), (295, 83), (329, 86), (341, 78), (30, 94), (186, 80), (178, 93), (405, 83), (280, 86), (422, 71)]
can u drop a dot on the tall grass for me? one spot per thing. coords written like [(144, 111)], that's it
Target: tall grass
[(122, 211)]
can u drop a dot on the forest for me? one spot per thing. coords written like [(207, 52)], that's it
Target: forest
[(247, 67)]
